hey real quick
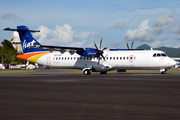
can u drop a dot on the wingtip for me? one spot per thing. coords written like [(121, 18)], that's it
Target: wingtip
[(6, 29)]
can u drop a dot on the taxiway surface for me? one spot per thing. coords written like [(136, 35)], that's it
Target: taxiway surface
[(58, 95)]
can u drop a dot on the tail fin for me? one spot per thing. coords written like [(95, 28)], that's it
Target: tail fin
[(27, 39)]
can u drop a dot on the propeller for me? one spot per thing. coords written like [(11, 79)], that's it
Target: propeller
[(100, 52), (127, 45), (131, 45)]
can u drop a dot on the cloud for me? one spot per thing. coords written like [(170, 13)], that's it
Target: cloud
[(78, 43), (9, 16), (155, 44), (176, 30), (142, 33), (117, 25), (63, 35), (162, 38), (120, 25), (145, 32), (161, 41), (178, 37), (165, 20)]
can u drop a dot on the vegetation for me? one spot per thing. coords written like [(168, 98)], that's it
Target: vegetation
[(8, 53)]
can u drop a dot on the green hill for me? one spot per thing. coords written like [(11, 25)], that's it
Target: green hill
[(144, 46)]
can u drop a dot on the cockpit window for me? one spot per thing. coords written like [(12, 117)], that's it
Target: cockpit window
[(158, 55), (154, 55), (163, 54)]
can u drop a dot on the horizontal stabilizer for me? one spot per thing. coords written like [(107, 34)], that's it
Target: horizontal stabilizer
[(9, 29)]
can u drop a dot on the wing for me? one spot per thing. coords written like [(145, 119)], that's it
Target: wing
[(176, 59), (61, 49)]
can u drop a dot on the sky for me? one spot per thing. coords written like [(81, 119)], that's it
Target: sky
[(80, 23)]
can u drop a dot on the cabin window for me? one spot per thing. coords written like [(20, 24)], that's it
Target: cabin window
[(113, 58), (127, 58), (71, 58), (62, 58), (65, 58), (84, 58), (123, 58), (68, 58), (130, 58), (117, 58), (107, 58), (80, 58), (74, 58), (110, 58), (120, 58), (87, 58), (59, 58), (56, 58)]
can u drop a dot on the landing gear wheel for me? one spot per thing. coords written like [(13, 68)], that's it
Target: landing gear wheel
[(86, 72), (105, 72), (164, 72)]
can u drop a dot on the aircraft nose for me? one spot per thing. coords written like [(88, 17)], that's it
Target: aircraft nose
[(172, 62)]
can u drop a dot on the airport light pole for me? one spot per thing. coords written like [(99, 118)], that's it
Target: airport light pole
[(2, 57)]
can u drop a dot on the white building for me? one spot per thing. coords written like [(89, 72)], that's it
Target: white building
[(16, 42)]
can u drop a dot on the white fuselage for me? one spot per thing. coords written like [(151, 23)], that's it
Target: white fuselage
[(140, 59)]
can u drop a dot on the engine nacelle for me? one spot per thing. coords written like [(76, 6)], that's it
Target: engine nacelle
[(88, 52)]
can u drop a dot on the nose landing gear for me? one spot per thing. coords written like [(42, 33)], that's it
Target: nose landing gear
[(163, 71)]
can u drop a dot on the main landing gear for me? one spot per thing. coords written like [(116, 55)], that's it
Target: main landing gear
[(87, 72), (104, 72)]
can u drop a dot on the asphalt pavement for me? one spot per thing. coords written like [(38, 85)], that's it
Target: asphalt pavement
[(64, 95)]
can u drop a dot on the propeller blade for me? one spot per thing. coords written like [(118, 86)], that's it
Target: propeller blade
[(95, 45), (98, 61), (103, 58), (127, 45), (100, 43), (132, 44), (104, 48)]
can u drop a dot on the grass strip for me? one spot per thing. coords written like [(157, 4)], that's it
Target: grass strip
[(15, 71)]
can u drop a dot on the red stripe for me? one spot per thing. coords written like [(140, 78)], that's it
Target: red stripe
[(28, 55)]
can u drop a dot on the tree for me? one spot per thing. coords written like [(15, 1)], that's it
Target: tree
[(1, 55), (9, 53)]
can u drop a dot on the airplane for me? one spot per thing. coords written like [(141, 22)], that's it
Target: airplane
[(90, 59)]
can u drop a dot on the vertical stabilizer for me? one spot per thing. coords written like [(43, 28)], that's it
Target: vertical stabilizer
[(27, 39)]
